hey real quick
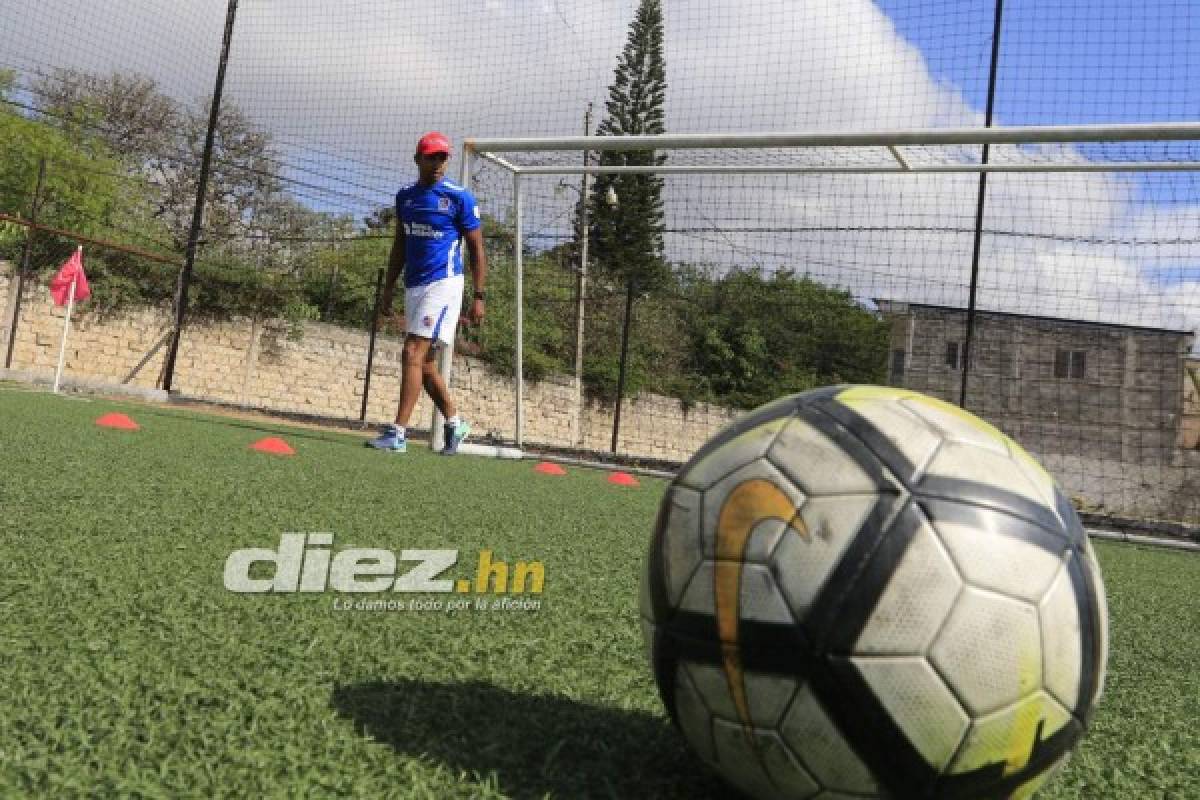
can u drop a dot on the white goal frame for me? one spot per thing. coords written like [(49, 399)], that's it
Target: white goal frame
[(490, 149)]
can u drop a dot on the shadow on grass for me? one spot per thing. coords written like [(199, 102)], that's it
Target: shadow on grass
[(281, 426), (535, 745)]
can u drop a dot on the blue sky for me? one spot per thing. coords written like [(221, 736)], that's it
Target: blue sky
[(1072, 62), (1065, 61)]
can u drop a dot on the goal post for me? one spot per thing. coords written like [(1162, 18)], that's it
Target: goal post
[(1066, 151)]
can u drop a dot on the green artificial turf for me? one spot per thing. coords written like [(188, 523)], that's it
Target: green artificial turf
[(127, 667)]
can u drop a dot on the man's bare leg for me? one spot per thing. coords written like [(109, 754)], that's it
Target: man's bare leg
[(419, 370), (393, 437), (416, 350), (435, 385), (456, 428)]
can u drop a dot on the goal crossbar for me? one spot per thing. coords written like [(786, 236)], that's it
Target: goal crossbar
[(892, 141), (718, 169)]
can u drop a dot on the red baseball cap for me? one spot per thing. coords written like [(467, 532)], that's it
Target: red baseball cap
[(433, 142)]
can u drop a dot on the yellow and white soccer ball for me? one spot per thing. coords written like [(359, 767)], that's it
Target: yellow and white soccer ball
[(860, 592)]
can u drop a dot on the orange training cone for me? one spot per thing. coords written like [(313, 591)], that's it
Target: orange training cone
[(275, 445), (549, 468), (622, 479), (118, 421)]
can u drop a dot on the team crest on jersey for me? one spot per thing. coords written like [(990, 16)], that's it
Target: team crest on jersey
[(427, 321), (443, 204)]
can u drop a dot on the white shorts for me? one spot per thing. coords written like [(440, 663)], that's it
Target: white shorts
[(432, 310)]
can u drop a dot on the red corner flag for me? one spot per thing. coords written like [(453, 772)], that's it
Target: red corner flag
[(71, 271)]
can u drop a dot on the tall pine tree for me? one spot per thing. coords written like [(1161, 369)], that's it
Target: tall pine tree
[(627, 238)]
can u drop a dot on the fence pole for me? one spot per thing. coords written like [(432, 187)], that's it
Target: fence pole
[(581, 290), (189, 260), (26, 255), (372, 324), (979, 210), (624, 360), (333, 282)]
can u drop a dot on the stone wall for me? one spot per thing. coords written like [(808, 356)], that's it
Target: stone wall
[(253, 363), (1170, 490)]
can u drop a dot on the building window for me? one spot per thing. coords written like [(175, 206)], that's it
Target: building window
[(1070, 364), (897, 367), (954, 352)]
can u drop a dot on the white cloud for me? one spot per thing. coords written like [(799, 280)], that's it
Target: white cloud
[(347, 87)]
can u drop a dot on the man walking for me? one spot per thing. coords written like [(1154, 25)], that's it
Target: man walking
[(434, 217)]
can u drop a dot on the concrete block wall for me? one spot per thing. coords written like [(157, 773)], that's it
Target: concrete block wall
[(253, 362), (1111, 460)]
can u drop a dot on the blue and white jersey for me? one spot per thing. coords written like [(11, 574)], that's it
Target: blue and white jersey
[(434, 219)]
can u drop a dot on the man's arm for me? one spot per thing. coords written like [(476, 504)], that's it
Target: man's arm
[(478, 273), (395, 270)]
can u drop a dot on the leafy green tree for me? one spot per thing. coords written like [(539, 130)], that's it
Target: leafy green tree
[(626, 236), (381, 219), (161, 141), (339, 278), (81, 191), (753, 338)]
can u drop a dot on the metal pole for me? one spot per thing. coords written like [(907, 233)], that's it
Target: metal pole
[(79, 238), (26, 254), (581, 289), (333, 282), (1041, 167), (519, 356), (372, 324), (1017, 134), (189, 261), (979, 210), (624, 360)]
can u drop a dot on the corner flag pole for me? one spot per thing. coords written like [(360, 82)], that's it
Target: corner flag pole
[(62, 347)]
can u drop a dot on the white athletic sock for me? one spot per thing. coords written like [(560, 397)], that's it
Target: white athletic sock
[(453, 421), (399, 430)]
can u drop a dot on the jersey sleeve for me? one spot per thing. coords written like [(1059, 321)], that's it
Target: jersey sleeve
[(468, 218)]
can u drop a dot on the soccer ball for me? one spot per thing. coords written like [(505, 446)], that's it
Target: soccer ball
[(861, 592)]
